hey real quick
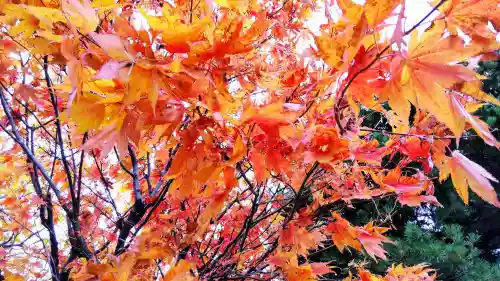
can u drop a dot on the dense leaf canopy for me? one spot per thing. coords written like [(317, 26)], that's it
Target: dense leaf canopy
[(218, 140)]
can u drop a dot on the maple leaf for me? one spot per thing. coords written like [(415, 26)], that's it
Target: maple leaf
[(239, 151), (477, 124), (371, 238), (376, 10), (369, 83), (83, 12), (369, 152), (474, 89), (395, 182), (400, 106), (141, 83), (414, 200), (293, 271), (327, 146), (84, 121), (232, 4), (472, 17), (343, 39), (343, 233), (301, 239), (464, 174), (179, 271), (419, 271), (176, 34), (113, 45), (426, 74)]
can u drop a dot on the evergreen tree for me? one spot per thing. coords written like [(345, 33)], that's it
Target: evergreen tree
[(452, 252)]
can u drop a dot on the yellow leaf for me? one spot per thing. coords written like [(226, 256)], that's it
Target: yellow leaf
[(50, 36), (79, 113), (179, 163), (239, 151), (460, 183), (98, 269), (156, 253), (350, 10), (27, 25), (175, 65), (465, 173), (483, 131), (153, 90), (473, 106), (340, 45), (206, 173), (377, 11), (113, 46), (258, 27), (178, 35), (330, 49), (441, 161), (270, 82), (139, 84), (472, 18), (47, 16), (426, 75), (13, 277), (125, 264), (42, 46), (102, 3), (81, 14), (25, 28), (474, 89), (479, 126), (237, 5), (176, 273), (433, 48), (108, 99), (400, 106)]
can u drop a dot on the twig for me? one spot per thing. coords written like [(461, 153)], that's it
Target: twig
[(121, 162), (59, 135), (147, 175)]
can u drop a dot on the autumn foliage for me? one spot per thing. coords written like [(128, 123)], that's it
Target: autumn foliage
[(220, 139)]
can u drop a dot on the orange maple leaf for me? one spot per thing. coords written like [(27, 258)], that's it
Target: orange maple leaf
[(472, 17), (464, 174)]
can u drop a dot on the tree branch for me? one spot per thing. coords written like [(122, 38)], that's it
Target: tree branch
[(80, 173), (47, 217), (135, 174), (59, 140)]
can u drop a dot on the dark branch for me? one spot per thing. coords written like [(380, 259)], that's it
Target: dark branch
[(135, 174)]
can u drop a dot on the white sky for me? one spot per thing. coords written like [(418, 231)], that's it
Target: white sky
[(415, 11)]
